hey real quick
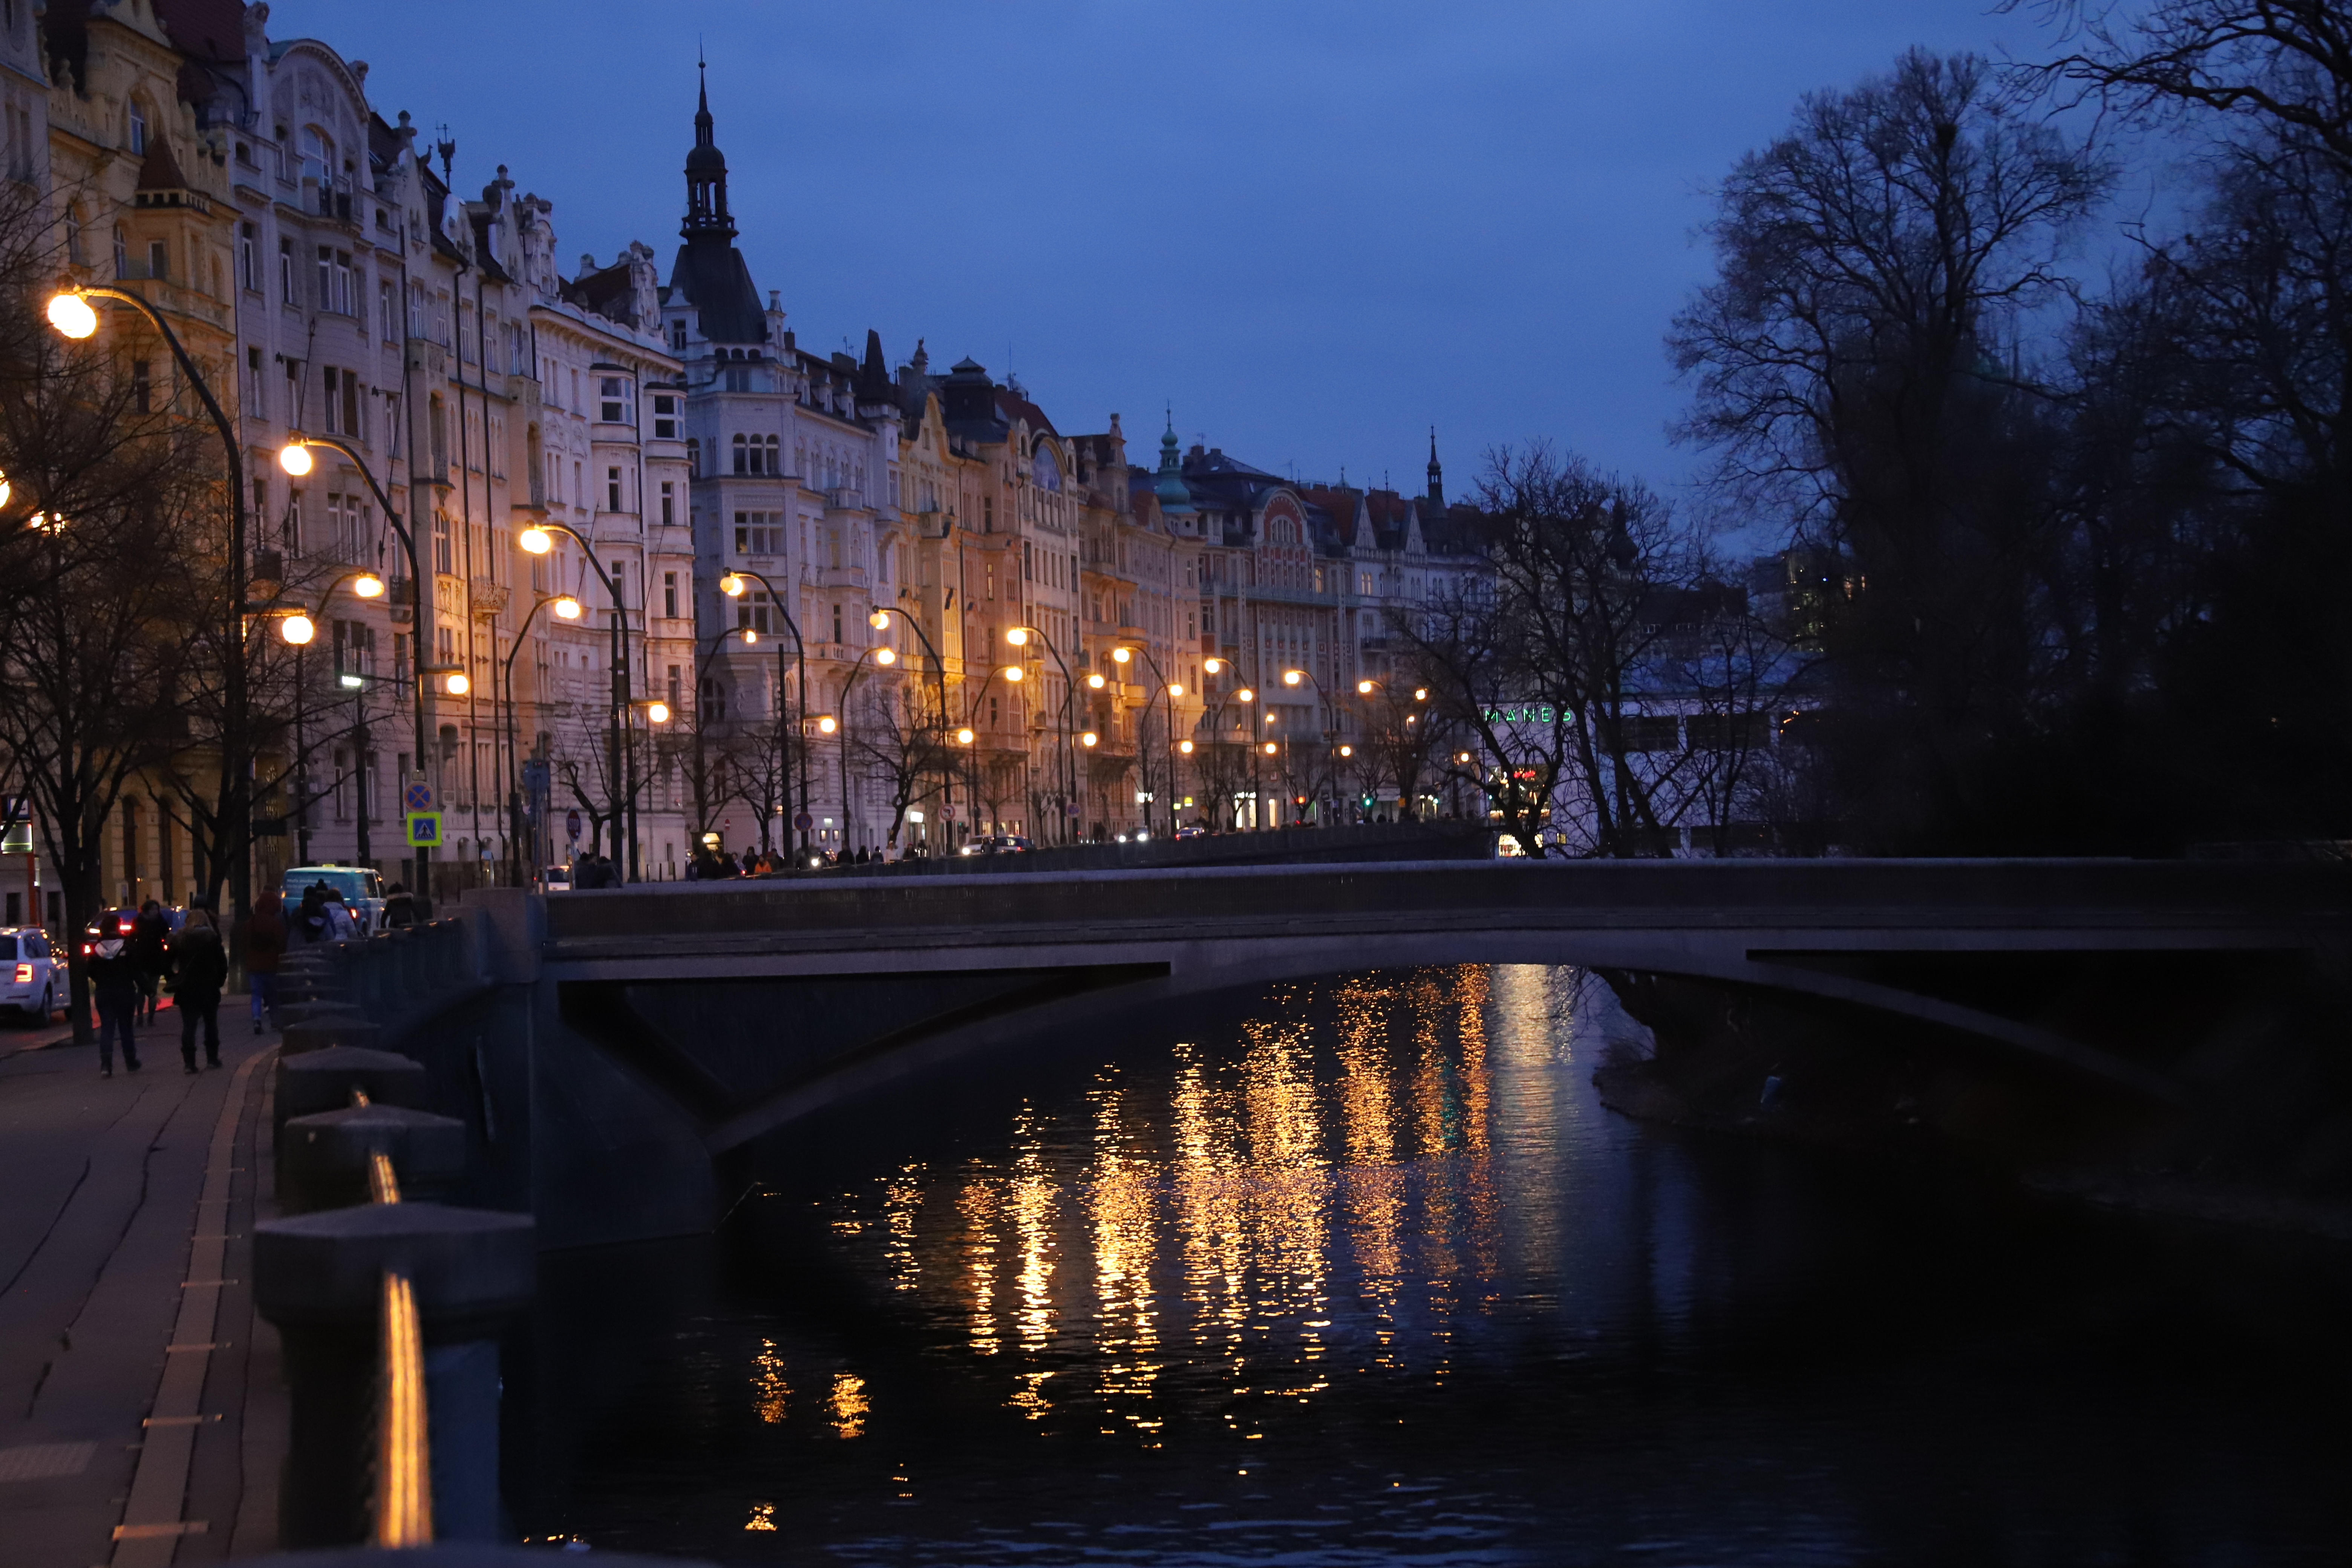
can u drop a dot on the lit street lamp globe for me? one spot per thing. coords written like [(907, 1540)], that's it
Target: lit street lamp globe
[(536, 540), (458, 685), (70, 313), (298, 629), (368, 585), (567, 608), (295, 458)]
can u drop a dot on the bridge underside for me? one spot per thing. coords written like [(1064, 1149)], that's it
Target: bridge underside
[(749, 1044)]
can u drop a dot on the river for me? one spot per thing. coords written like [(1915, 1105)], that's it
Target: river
[(1361, 1271)]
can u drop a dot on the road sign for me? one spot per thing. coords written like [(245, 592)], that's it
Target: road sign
[(571, 826), (417, 796), (803, 821), (424, 830)]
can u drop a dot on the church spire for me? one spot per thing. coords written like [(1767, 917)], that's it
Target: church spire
[(1436, 474), (1175, 495), (706, 173)]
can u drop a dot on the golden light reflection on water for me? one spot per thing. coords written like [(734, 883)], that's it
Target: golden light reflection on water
[(1241, 1224)]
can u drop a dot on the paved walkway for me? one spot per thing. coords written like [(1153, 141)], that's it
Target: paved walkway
[(140, 1422)]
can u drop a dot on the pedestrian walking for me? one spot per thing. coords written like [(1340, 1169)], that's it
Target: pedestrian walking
[(311, 923), (150, 936), (264, 945), (399, 908), (199, 970), (113, 975)]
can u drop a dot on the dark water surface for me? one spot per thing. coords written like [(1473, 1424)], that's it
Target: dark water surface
[(1361, 1271)]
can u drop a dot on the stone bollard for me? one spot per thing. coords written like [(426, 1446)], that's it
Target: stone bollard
[(323, 1080), (315, 1025), (319, 1278), (323, 1158)]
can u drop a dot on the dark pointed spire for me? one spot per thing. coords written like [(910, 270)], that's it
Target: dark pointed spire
[(706, 173), (874, 375), (1436, 474)]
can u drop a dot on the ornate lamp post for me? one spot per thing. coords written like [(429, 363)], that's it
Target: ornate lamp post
[(296, 627), (880, 620), (1124, 653)]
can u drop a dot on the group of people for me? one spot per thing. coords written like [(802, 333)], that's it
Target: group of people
[(126, 970)]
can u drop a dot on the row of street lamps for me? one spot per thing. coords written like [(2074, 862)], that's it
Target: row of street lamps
[(70, 312)]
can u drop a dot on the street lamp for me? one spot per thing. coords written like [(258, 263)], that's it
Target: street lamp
[(751, 636), (732, 585), (538, 540), (880, 621), (295, 458), (1019, 637), (567, 608), (69, 312), (1127, 654)]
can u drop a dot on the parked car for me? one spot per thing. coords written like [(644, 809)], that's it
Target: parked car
[(32, 977), (555, 879), (361, 889)]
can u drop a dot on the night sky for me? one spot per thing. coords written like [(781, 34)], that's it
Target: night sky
[(1317, 229)]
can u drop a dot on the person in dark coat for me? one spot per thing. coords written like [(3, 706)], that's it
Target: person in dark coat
[(312, 922), (264, 945), (151, 936), (113, 975), (399, 908), (199, 970)]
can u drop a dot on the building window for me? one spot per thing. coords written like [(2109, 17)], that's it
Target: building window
[(256, 392), (675, 686), (159, 259), (138, 128), (758, 533), (387, 310), (694, 457), (342, 402), (335, 280), (668, 501), (442, 552), (248, 258), (613, 405), (286, 273), (664, 418), (143, 387), (611, 490), (669, 594), (678, 334), (752, 610)]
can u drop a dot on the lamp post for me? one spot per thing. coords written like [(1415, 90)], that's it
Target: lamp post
[(884, 656), (733, 584), (880, 621), (295, 458), (701, 796), (296, 627), (1019, 637), (69, 312), (1122, 654), (537, 540), (1293, 678), (567, 608), (1245, 696)]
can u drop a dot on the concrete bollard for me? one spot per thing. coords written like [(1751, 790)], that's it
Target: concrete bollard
[(316, 1026), (323, 1158), (323, 1080), (319, 1278)]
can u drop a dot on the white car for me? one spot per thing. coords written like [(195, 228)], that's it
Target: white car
[(361, 889), (32, 979)]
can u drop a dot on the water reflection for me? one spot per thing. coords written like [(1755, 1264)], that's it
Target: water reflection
[(1363, 1272)]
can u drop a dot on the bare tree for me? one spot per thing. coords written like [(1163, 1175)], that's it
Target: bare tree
[(898, 740)]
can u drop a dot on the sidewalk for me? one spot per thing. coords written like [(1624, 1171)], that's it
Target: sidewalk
[(124, 1296)]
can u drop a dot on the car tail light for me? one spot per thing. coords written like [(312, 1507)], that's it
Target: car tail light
[(24, 975)]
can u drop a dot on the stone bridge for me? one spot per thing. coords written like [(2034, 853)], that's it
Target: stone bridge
[(606, 1047)]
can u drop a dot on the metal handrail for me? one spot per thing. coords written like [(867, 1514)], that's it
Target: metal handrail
[(404, 1500), (404, 1461)]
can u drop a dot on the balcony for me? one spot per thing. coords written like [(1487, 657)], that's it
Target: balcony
[(490, 598)]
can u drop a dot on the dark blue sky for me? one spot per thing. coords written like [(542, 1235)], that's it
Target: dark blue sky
[(1317, 229)]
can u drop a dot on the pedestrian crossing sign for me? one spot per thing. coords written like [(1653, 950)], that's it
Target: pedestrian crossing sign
[(424, 830)]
